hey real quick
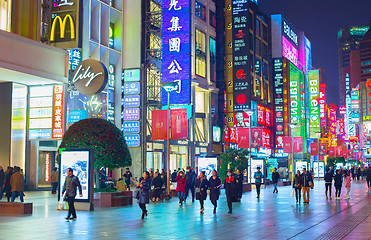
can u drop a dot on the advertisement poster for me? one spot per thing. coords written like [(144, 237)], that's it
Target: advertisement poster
[(331, 151), (241, 119), (298, 144), (207, 164), (179, 124), (255, 163), (319, 169), (243, 137), (287, 144), (79, 161), (271, 164), (159, 124), (300, 165), (256, 137), (322, 149)]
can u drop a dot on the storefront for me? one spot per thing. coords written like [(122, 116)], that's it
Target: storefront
[(32, 110)]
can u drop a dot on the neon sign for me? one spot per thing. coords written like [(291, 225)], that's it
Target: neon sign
[(314, 107), (322, 103), (289, 51)]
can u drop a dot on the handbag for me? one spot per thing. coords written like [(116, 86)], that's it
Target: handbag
[(197, 190), (292, 193), (311, 184), (136, 194)]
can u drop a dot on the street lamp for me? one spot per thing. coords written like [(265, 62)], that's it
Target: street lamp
[(168, 86), (292, 126), (249, 112)]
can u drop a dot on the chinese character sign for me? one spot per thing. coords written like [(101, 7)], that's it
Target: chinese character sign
[(58, 92), (289, 51), (176, 55), (261, 114), (314, 107), (322, 103)]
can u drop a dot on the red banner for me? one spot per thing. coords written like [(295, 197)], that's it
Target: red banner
[(159, 124), (260, 114), (331, 151), (314, 149), (233, 135), (58, 92), (266, 137), (339, 151), (268, 117), (287, 144), (243, 137), (298, 144), (179, 124)]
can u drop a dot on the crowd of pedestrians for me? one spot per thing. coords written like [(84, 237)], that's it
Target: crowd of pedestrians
[(12, 184)]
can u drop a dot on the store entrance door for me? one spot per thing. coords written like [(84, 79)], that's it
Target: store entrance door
[(45, 167)]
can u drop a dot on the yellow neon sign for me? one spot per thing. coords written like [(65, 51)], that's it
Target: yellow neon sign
[(62, 25)]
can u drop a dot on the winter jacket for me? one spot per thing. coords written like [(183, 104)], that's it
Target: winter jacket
[(17, 182), (70, 186), (144, 190), (298, 181), (180, 183), (230, 189), (338, 180), (157, 182), (275, 177), (215, 185), (328, 178), (191, 178), (202, 185), (307, 178), (2, 178), (258, 176)]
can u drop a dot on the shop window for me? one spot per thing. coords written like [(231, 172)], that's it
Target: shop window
[(200, 102), (212, 19), (200, 53), (200, 11), (200, 130), (5, 15), (212, 60)]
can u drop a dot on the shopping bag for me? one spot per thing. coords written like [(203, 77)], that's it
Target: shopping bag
[(60, 205), (293, 193), (66, 206)]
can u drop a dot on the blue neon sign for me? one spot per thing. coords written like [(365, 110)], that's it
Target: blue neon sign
[(176, 49)]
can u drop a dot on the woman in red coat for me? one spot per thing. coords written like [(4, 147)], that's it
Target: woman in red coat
[(180, 186)]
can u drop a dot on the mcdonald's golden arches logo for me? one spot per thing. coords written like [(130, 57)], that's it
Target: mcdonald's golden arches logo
[(62, 25)]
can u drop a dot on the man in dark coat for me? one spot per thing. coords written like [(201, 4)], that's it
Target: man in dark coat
[(239, 184), (368, 177), (307, 184), (157, 184), (2, 180), (190, 177), (7, 186), (173, 175), (202, 184), (70, 187), (275, 178), (215, 184)]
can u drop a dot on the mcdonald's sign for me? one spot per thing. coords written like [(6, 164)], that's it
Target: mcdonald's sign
[(62, 26), (65, 23)]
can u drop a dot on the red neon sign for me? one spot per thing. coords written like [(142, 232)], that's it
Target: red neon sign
[(58, 112), (47, 167)]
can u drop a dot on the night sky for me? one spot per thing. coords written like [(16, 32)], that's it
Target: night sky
[(321, 20)]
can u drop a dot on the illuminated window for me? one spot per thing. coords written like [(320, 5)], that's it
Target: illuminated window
[(5, 15), (200, 130), (200, 10), (200, 102), (200, 53), (212, 19), (212, 60)]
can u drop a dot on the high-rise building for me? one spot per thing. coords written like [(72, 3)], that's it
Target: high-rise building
[(348, 40), (365, 56)]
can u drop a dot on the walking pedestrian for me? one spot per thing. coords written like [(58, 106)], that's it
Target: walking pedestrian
[(275, 179), (307, 185), (202, 184), (239, 184), (215, 184), (55, 180), (328, 183), (2, 180), (144, 186), (17, 184), (296, 184), (7, 186), (181, 186), (173, 175), (190, 186), (338, 183), (127, 176), (157, 184), (70, 186), (258, 176), (230, 190), (368, 177), (347, 184), (353, 172)]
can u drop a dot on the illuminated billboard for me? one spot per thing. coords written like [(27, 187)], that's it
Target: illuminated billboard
[(176, 50), (241, 51), (278, 96), (289, 51), (332, 127), (295, 100), (314, 107), (350, 127), (355, 105), (322, 103)]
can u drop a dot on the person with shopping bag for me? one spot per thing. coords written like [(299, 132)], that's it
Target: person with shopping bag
[(202, 184), (215, 185), (70, 186), (296, 185)]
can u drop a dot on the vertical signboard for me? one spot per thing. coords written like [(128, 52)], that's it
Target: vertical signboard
[(229, 64), (176, 47), (159, 124), (332, 125), (240, 37), (65, 23), (179, 124), (58, 117), (350, 127), (355, 105), (322, 103), (47, 167), (295, 111), (278, 96), (314, 107)]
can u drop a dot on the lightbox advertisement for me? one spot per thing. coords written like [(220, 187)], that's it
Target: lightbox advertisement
[(207, 164), (81, 163)]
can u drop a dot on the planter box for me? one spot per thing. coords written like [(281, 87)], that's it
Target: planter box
[(246, 187), (113, 199), (13, 208)]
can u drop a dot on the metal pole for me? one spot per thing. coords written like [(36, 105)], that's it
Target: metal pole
[(250, 148), (168, 145)]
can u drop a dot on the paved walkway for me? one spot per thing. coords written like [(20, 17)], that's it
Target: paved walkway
[(274, 216)]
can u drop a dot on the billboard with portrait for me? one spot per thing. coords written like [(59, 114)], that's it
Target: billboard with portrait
[(207, 164), (82, 163)]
